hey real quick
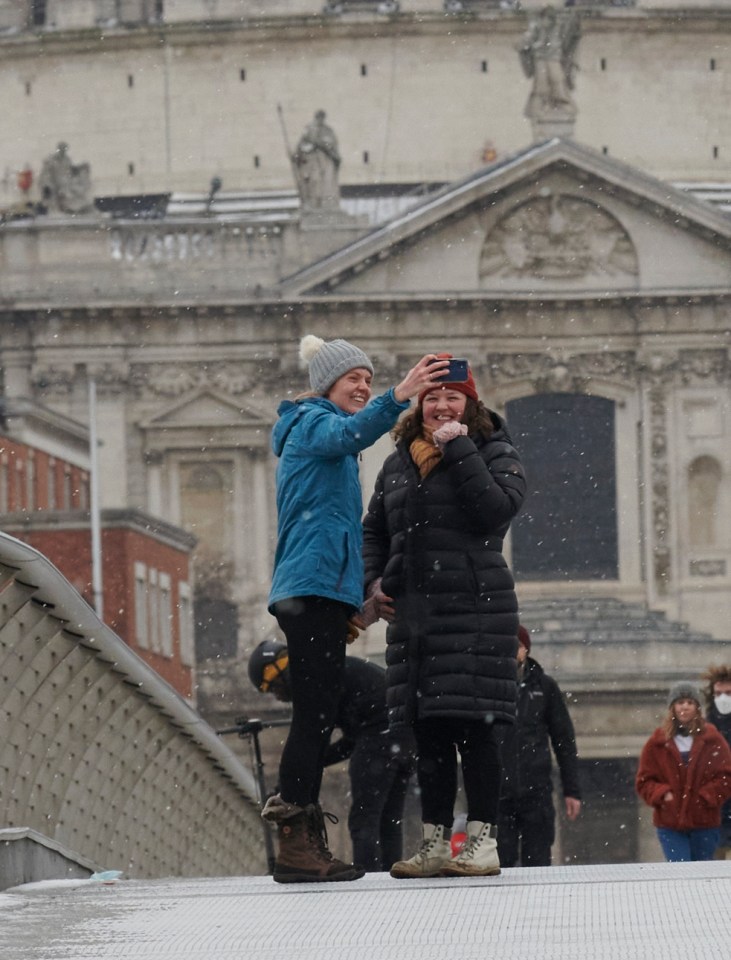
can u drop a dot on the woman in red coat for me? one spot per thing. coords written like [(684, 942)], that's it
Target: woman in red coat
[(685, 776)]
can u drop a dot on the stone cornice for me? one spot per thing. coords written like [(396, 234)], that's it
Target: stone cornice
[(318, 26), (269, 306)]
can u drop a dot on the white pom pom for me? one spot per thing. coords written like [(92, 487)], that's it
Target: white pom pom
[(309, 346)]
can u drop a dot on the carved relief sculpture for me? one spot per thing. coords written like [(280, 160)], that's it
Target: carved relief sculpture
[(559, 236), (65, 187)]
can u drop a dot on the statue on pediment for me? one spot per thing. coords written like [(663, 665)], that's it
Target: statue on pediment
[(316, 161), (548, 56), (65, 186)]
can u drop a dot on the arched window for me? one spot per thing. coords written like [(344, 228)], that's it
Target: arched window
[(206, 494)]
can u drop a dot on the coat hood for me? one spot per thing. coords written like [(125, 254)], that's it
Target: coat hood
[(290, 411)]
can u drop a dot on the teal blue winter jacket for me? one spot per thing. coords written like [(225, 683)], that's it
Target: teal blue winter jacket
[(319, 500)]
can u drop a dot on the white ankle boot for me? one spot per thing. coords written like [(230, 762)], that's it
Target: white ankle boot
[(478, 857), (431, 857)]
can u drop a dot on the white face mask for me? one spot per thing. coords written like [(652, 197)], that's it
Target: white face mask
[(723, 703)]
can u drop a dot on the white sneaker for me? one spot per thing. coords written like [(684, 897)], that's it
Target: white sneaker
[(478, 857), (431, 857)]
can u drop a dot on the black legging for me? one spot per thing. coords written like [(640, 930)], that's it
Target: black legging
[(438, 739), (315, 628)]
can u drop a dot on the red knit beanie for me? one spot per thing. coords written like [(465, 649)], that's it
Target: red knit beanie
[(524, 638), (467, 387)]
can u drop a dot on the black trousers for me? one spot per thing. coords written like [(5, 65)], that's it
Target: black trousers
[(315, 628), (438, 739), (380, 770), (526, 831)]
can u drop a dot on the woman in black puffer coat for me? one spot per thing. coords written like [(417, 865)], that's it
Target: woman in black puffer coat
[(433, 540)]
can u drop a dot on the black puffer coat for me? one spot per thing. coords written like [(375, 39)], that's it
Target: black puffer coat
[(437, 543)]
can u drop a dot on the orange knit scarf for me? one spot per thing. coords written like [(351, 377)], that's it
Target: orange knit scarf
[(424, 452)]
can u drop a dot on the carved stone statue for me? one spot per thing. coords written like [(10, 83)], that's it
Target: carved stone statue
[(65, 187), (316, 161), (547, 54)]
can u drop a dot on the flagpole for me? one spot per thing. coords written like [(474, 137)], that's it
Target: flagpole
[(96, 539)]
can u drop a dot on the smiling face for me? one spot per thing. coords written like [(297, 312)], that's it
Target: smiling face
[(352, 391), (440, 406), (685, 710)]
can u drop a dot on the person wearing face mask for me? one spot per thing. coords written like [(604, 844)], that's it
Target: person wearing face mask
[(317, 585), (684, 774), (433, 538), (718, 699)]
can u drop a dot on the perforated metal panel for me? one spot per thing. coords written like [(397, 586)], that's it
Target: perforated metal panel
[(102, 755)]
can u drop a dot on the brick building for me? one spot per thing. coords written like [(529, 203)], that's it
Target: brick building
[(44, 501)]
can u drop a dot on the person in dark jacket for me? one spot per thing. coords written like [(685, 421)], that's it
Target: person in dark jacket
[(317, 583), (382, 761), (685, 776), (718, 712), (527, 822), (433, 537)]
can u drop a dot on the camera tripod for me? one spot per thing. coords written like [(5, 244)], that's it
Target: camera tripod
[(246, 727)]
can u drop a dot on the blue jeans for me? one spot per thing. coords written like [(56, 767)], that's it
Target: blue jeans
[(683, 845)]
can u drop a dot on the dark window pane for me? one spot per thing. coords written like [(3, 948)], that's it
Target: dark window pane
[(567, 529)]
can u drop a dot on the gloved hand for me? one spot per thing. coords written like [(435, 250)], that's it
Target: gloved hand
[(383, 604), (449, 431)]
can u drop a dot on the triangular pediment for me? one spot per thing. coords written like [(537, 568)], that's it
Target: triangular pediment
[(556, 218), (205, 408)]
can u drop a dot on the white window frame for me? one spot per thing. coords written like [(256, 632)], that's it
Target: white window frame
[(141, 601), (185, 625)]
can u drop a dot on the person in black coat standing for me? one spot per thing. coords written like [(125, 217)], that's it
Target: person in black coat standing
[(527, 822), (433, 537), (718, 697), (382, 761)]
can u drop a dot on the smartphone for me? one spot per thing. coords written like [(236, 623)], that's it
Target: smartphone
[(458, 372)]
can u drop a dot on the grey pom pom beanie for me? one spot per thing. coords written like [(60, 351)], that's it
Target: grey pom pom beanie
[(685, 690), (328, 360)]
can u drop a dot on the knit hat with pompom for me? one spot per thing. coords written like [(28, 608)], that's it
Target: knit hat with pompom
[(328, 360)]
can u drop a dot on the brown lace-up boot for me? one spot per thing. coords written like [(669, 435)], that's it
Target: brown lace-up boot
[(303, 855)]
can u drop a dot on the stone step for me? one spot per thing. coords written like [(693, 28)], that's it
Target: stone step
[(602, 620)]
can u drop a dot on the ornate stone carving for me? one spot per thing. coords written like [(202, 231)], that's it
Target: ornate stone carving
[(563, 373), (174, 380), (54, 379), (656, 367), (699, 365), (111, 378), (557, 236), (660, 488), (686, 367), (547, 54)]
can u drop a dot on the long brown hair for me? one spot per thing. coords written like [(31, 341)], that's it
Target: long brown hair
[(477, 418), (672, 726)]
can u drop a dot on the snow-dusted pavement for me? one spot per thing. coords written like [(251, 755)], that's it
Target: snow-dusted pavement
[(632, 911)]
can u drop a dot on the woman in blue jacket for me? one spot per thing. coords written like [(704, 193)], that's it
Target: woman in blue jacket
[(317, 587)]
